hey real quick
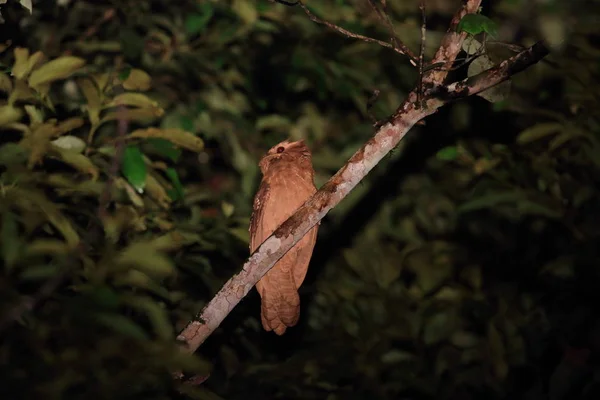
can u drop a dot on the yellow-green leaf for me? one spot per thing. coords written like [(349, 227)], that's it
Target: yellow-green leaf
[(30, 200), (539, 131), (93, 97), (157, 191), (158, 316), (71, 143), (132, 99), (77, 161), (54, 70), (176, 136), (6, 85), (20, 92), (137, 80), (245, 10), (144, 257), (138, 114), (9, 114)]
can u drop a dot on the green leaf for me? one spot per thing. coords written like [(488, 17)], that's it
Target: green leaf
[(449, 153), (134, 168), (157, 315), (121, 324), (104, 296), (12, 153), (39, 272), (187, 124), (174, 178), (196, 22), (165, 148), (124, 74), (474, 24)]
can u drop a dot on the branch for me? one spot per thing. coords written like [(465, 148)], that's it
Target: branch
[(397, 43), (451, 44), (493, 76), (339, 186), (386, 138)]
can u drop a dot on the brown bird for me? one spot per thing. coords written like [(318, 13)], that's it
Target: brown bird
[(286, 185)]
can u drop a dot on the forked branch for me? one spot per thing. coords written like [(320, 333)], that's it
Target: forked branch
[(435, 95)]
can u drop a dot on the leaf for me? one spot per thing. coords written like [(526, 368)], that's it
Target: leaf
[(176, 136), (104, 297), (174, 178), (138, 279), (11, 154), (158, 316), (471, 45), (39, 272), (474, 24), (27, 5), (539, 131), (125, 72), (32, 200), (490, 200), (6, 85), (497, 352), (52, 247), (134, 168), (120, 324), (196, 22), (133, 100), (70, 143), (449, 153), (157, 191), (439, 327), (56, 69), (9, 114), (144, 257), (138, 114), (137, 80), (78, 161), (24, 63), (245, 10), (165, 148), (93, 97), (175, 240), (496, 93), (273, 121)]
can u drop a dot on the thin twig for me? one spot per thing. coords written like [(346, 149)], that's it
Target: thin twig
[(345, 32), (385, 19)]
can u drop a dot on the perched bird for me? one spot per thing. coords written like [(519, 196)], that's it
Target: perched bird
[(287, 183)]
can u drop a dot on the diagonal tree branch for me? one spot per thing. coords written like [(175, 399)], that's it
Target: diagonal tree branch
[(360, 164)]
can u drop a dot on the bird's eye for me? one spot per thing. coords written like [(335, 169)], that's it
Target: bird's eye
[(280, 149)]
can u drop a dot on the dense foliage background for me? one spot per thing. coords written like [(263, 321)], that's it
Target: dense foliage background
[(466, 266)]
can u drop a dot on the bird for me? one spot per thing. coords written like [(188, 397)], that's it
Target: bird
[(287, 183)]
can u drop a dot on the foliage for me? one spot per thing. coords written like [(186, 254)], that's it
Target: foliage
[(464, 267)]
